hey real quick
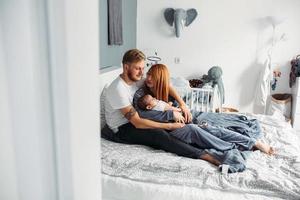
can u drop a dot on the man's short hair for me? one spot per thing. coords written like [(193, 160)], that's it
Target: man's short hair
[(133, 56)]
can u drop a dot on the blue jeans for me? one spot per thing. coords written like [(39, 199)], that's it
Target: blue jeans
[(212, 137), (158, 139), (192, 134), (224, 151)]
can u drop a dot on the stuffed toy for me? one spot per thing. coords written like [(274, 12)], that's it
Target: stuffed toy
[(214, 75)]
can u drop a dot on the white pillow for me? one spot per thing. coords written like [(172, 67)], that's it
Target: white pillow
[(181, 85), (179, 82), (102, 106)]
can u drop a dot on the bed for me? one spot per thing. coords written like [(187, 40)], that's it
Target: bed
[(139, 172)]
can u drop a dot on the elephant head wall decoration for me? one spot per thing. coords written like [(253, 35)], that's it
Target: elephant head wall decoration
[(180, 18)]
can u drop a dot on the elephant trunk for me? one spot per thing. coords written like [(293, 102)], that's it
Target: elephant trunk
[(179, 20), (178, 27)]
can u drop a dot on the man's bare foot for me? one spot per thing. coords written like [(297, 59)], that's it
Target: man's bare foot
[(264, 148), (210, 159)]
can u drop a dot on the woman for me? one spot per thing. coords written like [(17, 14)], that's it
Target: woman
[(158, 85)]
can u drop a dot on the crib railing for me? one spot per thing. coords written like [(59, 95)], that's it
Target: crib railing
[(201, 99)]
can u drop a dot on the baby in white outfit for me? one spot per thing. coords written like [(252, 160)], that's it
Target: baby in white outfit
[(147, 102)]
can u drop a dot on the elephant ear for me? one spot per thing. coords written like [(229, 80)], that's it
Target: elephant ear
[(169, 16), (191, 16)]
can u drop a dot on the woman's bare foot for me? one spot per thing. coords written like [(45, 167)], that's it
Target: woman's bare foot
[(210, 159), (264, 148)]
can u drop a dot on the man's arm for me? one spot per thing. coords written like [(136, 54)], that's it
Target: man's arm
[(158, 116), (161, 116), (131, 114)]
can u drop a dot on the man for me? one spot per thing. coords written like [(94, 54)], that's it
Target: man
[(127, 125)]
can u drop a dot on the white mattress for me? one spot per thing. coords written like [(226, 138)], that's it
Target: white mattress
[(138, 172)]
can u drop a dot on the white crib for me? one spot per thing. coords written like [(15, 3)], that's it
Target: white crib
[(205, 99)]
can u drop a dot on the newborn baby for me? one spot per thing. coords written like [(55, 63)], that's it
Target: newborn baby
[(147, 102)]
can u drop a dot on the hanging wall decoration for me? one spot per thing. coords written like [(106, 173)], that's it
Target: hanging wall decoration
[(180, 18), (115, 26)]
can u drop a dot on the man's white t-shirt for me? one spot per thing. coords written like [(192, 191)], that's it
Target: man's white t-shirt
[(119, 95)]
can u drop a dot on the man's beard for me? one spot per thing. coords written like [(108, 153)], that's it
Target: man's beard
[(132, 77)]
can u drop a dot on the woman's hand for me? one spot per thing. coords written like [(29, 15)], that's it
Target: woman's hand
[(178, 117), (186, 113), (176, 109)]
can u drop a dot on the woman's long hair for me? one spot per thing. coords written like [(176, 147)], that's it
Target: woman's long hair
[(161, 81)]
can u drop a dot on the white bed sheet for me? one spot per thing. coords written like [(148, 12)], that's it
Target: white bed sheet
[(118, 188), (138, 172)]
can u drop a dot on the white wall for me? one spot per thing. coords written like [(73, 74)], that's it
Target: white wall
[(229, 33)]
